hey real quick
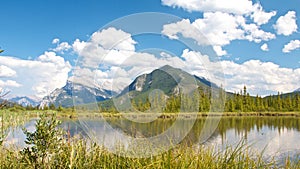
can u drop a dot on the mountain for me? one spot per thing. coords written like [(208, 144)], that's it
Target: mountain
[(297, 90), (292, 94), (163, 82), (24, 101), (82, 94), (167, 79)]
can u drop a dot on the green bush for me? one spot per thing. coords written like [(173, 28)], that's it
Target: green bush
[(44, 142)]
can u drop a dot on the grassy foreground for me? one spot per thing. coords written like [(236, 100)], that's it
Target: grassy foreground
[(78, 155), (50, 147)]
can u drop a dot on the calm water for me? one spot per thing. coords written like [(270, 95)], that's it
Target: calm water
[(279, 137)]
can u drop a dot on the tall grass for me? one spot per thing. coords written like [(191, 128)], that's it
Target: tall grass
[(79, 153)]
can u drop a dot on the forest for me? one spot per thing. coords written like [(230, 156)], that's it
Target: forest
[(228, 102)]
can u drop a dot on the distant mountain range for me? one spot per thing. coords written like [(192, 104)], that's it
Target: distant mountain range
[(82, 94), (166, 79), (25, 101), (297, 90)]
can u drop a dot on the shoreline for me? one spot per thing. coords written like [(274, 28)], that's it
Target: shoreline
[(184, 115), (192, 115)]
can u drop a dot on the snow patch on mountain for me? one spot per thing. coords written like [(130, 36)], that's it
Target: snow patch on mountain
[(82, 95), (25, 101)]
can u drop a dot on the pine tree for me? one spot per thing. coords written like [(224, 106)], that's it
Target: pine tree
[(279, 103)]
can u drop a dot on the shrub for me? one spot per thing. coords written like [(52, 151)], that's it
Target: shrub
[(44, 142)]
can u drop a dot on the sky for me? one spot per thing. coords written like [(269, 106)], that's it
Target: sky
[(108, 43)]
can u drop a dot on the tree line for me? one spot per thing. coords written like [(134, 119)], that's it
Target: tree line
[(227, 102)]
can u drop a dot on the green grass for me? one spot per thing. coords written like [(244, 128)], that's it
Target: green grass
[(78, 154)]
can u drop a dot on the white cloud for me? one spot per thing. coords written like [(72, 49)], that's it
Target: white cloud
[(217, 29), (274, 78), (186, 29), (292, 45), (78, 46), (219, 51), (61, 47), (254, 33), (116, 67), (111, 38), (6, 71), (37, 77), (9, 83), (259, 16), (222, 22), (228, 6), (286, 24), (55, 41), (165, 55), (236, 7), (264, 47), (109, 46), (119, 67)]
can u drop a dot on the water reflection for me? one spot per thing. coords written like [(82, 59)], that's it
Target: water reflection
[(277, 136)]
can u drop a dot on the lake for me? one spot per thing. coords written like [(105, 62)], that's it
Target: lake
[(277, 136)]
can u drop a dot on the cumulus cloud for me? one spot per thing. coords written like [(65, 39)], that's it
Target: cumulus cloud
[(6, 71), (115, 68), (228, 6), (36, 77), (274, 78), (254, 33), (8, 83), (259, 16), (78, 46), (222, 22), (219, 51), (109, 60), (109, 46), (62, 47), (112, 38), (264, 47), (292, 45), (186, 29), (260, 77), (286, 24), (55, 41), (236, 7), (217, 29)]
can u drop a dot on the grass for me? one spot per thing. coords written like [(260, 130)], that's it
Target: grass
[(78, 154)]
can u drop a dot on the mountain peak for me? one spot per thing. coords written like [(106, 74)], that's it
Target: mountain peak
[(167, 68), (297, 90), (83, 94), (24, 101), (167, 79)]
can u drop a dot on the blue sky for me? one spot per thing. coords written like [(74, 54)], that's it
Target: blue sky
[(28, 29)]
